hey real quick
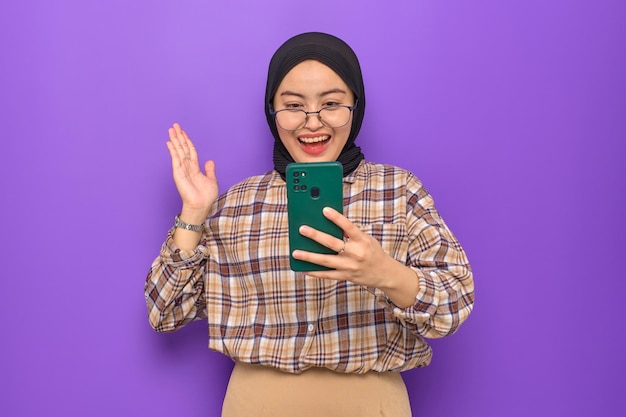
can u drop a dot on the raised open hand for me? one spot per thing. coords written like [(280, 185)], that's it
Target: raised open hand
[(197, 190)]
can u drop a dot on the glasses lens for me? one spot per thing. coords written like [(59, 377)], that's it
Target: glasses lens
[(335, 116), (290, 119)]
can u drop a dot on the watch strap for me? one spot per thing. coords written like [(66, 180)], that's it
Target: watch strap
[(178, 223)]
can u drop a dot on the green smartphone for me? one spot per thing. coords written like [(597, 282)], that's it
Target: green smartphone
[(311, 186)]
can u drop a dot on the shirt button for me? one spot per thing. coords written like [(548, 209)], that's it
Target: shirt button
[(311, 327)]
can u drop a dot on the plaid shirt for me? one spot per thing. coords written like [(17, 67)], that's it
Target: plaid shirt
[(259, 311)]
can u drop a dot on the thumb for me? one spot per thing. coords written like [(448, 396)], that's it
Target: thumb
[(209, 168)]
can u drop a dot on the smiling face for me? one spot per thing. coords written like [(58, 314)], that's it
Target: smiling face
[(310, 86)]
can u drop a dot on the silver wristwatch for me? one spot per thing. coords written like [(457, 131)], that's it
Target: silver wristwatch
[(182, 225)]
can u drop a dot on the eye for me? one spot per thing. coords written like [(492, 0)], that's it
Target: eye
[(331, 104), (293, 106)]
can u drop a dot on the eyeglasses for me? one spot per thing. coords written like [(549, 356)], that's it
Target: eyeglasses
[(330, 116)]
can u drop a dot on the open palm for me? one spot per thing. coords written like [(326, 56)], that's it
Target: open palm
[(197, 190)]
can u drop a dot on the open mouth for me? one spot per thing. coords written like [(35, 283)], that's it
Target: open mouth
[(314, 145)]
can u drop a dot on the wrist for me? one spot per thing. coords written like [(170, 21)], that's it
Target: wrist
[(390, 274), (401, 284), (193, 216)]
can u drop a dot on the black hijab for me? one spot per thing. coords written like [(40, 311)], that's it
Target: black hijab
[(338, 56)]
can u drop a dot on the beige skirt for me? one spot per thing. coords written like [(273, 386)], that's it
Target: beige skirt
[(261, 391)]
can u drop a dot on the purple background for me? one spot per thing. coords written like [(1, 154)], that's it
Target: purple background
[(512, 113)]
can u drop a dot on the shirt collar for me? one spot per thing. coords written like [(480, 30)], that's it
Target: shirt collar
[(276, 180)]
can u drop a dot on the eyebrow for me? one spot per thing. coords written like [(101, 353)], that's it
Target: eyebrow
[(323, 93)]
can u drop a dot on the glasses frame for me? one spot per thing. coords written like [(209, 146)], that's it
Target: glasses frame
[(307, 113)]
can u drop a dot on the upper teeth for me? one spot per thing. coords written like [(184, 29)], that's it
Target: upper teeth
[(315, 139)]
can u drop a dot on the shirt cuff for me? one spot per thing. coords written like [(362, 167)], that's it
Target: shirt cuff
[(424, 306), (174, 256)]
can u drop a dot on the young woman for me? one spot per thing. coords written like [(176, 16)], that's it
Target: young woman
[(323, 343)]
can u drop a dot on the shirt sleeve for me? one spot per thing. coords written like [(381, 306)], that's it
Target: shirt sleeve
[(446, 292), (174, 288)]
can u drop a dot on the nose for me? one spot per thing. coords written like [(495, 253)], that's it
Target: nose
[(313, 121)]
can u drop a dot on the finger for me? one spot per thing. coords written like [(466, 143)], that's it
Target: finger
[(339, 266), (331, 242), (349, 229), (193, 153), (179, 167), (176, 152), (329, 261), (175, 142), (181, 142), (180, 152), (209, 169), (173, 153)]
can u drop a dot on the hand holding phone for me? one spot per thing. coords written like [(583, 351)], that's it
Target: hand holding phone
[(311, 186)]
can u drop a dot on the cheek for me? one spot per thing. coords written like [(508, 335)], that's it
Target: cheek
[(285, 137), (342, 135)]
